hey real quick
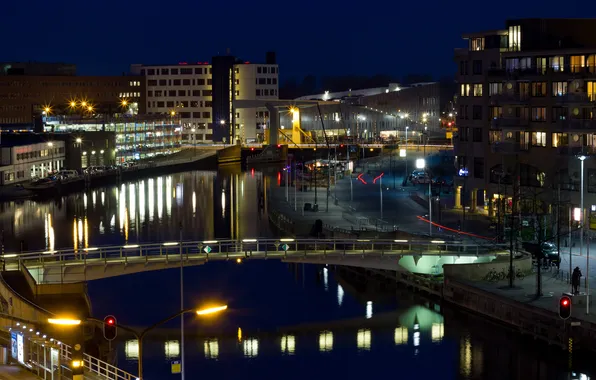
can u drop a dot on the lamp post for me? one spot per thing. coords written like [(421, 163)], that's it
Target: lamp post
[(406, 158), (582, 158)]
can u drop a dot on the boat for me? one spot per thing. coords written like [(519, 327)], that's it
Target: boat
[(270, 155), (40, 184)]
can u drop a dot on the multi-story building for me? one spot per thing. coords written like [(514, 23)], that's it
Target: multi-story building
[(137, 137), (202, 95), (23, 97), (526, 112), (26, 156)]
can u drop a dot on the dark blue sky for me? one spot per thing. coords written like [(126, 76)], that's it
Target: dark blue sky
[(320, 37)]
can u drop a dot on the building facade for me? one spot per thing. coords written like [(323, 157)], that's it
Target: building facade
[(27, 156), (136, 137), (201, 94), (23, 97), (526, 112)]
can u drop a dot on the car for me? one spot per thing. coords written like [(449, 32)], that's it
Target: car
[(421, 179)]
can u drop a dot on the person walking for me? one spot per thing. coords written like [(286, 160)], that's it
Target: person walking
[(575, 278)]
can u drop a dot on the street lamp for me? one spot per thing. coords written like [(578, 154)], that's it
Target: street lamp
[(421, 164), (64, 321), (582, 158)]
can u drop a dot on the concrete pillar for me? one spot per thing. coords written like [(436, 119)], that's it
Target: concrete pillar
[(457, 197), (273, 124), (474, 200)]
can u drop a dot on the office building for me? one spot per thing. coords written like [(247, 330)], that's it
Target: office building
[(201, 94), (27, 156), (24, 98), (526, 112)]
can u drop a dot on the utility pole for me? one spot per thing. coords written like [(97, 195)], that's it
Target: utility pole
[(181, 307)]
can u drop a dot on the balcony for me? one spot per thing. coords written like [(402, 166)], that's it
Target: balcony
[(508, 147), (509, 122), (576, 124), (576, 150)]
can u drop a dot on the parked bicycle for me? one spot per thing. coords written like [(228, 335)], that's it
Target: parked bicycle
[(492, 276)]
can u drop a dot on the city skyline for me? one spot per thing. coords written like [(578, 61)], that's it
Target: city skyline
[(367, 45)]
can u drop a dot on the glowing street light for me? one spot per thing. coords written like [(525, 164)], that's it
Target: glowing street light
[(124, 102), (72, 104), (83, 104), (222, 122), (79, 140), (211, 310), (173, 113), (64, 321)]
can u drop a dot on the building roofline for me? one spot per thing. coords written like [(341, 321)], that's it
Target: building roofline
[(498, 32)]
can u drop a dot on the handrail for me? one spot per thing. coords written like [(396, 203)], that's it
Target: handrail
[(97, 366)]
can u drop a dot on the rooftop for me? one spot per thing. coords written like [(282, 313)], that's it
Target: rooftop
[(9, 140)]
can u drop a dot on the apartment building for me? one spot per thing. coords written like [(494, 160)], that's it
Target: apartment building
[(526, 112), (201, 94)]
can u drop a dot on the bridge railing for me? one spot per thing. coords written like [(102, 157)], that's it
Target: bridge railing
[(225, 249), (96, 366)]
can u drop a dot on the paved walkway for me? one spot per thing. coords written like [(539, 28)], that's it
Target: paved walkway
[(552, 289), (14, 372)]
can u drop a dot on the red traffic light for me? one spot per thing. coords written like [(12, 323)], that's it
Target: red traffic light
[(110, 331), (278, 145), (110, 321), (341, 146), (565, 307)]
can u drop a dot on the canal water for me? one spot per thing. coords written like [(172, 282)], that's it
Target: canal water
[(284, 321)]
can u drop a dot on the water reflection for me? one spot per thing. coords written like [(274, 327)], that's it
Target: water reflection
[(363, 339), (369, 309), (251, 348), (146, 210), (211, 348), (326, 341), (172, 349), (340, 295), (400, 336), (288, 344)]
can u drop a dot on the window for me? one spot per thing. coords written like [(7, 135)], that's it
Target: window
[(200, 82), (559, 88), (206, 115), (539, 139), (560, 139), (174, 71), (170, 104), (196, 92), (198, 70), (494, 136), (476, 112), (150, 71), (577, 63), (172, 93), (477, 89), (181, 92), (514, 38), (209, 81), (463, 67), (186, 71), (591, 90), (160, 104), (152, 82), (477, 44), (495, 89), (496, 112), (539, 89), (477, 67), (463, 133), (177, 82), (465, 89), (478, 167), (557, 63), (477, 134), (541, 65), (524, 90), (164, 72), (559, 113), (163, 82), (514, 64), (207, 92), (538, 114), (186, 82)]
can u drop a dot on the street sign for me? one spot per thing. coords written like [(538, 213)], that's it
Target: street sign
[(574, 324), (176, 367), (285, 247), (207, 249)]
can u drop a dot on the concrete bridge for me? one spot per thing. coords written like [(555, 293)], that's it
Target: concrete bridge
[(92, 263)]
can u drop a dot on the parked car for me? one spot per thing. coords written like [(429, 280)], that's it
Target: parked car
[(421, 179)]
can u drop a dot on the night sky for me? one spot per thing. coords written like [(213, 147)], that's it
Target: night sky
[(310, 37)]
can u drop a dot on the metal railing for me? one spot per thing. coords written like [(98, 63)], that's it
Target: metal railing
[(230, 249), (97, 366)]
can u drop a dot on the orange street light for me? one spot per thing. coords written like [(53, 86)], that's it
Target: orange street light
[(64, 321)]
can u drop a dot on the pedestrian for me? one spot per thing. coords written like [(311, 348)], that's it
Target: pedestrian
[(575, 277)]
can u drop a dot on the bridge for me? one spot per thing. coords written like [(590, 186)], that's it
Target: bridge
[(92, 263)]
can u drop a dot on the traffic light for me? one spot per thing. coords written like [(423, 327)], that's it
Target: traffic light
[(565, 307), (109, 327)]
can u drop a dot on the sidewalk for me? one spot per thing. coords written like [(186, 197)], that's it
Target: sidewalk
[(14, 372), (524, 291)]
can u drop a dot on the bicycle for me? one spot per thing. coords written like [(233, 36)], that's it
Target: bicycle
[(492, 276)]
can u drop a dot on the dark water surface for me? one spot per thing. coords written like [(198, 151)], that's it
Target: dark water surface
[(284, 321)]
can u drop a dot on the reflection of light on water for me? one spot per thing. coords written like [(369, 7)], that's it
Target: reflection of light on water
[(239, 334), (369, 311), (363, 339), (94, 198), (85, 201), (416, 338), (75, 235), (131, 349), (179, 194), (400, 336), (325, 341), (121, 206), (251, 348), (194, 202), (113, 222), (223, 204), (437, 332), (86, 233), (288, 344), (49, 232), (168, 195), (172, 349), (80, 230), (159, 197), (132, 199), (141, 202), (465, 357), (103, 197), (211, 349), (151, 199), (340, 295), (326, 278)]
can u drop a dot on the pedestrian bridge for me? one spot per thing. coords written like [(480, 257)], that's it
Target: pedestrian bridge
[(92, 263)]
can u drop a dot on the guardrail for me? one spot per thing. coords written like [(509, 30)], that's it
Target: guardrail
[(96, 366), (258, 248)]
